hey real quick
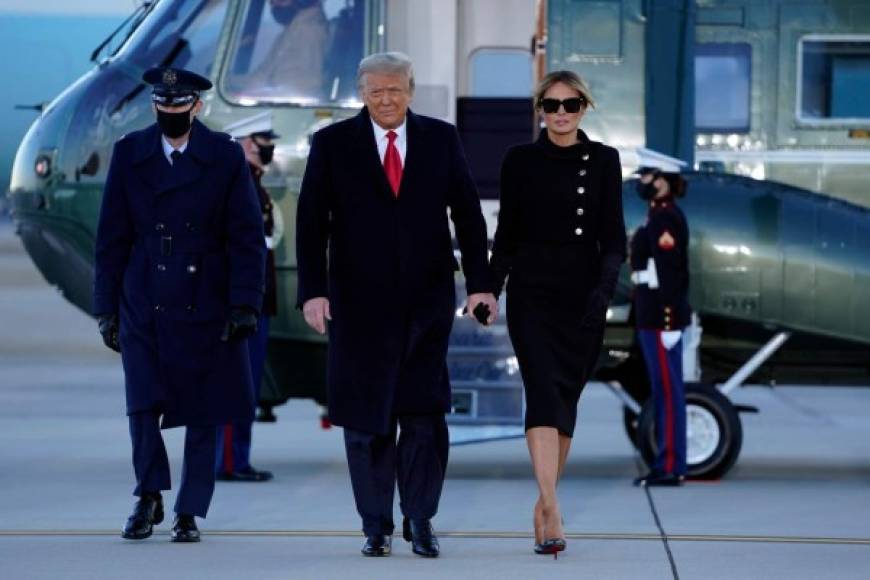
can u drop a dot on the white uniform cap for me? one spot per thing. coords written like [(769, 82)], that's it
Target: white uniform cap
[(259, 123)]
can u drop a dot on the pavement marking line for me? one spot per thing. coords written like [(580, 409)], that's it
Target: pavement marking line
[(715, 538), (662, 534)]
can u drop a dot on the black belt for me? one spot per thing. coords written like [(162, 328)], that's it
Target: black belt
[(182, 244)]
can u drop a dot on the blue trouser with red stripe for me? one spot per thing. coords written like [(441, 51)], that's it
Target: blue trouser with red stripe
[(665, 369), (234, 439)]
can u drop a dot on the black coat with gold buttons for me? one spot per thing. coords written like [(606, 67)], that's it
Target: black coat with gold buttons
[(560, 218), (177, 246), (560, 242)]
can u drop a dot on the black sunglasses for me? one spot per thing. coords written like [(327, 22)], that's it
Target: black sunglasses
[(572, 105)]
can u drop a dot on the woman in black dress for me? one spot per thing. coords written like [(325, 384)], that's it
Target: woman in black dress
[(560, 243)]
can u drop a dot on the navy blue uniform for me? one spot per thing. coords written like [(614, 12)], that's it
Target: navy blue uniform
[(659, 261), (234, 439), (390, 283), (178, 246)]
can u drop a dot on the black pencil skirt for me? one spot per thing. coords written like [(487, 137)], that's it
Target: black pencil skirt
[(556, 354)]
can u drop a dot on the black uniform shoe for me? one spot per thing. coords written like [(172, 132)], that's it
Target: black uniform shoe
[(378, 545), (422, 537), (147, 513), (184, 529), (659, 480), (249, 474)]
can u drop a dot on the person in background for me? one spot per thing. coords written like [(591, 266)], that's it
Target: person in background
[(660, 272), (560, 242), (256, 137)]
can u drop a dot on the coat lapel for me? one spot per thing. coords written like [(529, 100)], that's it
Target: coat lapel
[(368, 153), (156, 172), (414, 153)]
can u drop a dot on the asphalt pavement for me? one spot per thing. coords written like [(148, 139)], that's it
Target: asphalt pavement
[(797, 505)]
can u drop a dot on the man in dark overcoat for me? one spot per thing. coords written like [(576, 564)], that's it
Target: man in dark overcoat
[(180, 256), (375, 259)]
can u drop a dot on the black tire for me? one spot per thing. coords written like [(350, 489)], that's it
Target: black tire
[(630, 421), (710, 457)]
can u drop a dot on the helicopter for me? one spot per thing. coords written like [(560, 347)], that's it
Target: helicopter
[(780, 274)]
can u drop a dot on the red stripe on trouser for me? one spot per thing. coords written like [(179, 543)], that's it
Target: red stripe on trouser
[(669, 405), (228, 448)]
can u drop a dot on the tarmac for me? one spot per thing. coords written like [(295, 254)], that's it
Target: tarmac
[(796, 506)]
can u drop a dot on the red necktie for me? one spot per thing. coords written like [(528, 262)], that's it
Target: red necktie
[(393, 163)]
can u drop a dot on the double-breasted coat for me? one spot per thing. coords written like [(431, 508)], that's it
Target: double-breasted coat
[(178, 246), (390, 273)]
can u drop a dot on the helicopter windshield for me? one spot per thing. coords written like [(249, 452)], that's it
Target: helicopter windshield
[(303, 52), (166, 37)]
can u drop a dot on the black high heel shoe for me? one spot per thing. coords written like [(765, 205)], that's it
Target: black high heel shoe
[(551, 546)]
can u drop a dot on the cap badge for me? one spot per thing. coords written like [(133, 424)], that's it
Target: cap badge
[(169, 77)]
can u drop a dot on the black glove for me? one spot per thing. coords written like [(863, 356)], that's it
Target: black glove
[(108, 324), (596, 311), (241, 324)]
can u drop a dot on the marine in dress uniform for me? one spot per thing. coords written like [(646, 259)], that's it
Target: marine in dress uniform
[(178, 285), (375, 198), (660, 271), (233, 462)]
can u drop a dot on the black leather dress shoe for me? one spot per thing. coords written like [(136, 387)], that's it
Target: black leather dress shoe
[(423, 540), (659, 480), (249, 474), (184, 529), (147, 513), (378, 545)]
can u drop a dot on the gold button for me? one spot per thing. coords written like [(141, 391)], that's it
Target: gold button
[(581, 190)]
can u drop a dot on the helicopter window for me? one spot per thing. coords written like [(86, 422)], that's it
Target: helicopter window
[(303, 52), (722, 87), (181, 33), (501, 72), (834, 78)]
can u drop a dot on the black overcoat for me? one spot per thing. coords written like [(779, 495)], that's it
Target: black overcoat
[(176, 247), (390, 273)]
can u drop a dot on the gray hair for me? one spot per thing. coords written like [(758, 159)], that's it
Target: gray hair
[(392, 63)]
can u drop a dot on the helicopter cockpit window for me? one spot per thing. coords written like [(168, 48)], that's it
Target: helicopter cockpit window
[(180, 33), (303, 52)]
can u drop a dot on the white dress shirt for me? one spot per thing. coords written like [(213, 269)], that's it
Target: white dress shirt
[(168, 148), (382, 141)]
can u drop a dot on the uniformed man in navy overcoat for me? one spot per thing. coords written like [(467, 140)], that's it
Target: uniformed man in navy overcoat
[(660, 272), (375, 197), (180, 258)]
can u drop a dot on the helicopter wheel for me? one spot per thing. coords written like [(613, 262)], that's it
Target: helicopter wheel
[(714, 433)]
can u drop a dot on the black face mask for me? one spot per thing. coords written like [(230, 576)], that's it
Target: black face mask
[(174, 125), (266, 153), (646, 191), (284, 15)]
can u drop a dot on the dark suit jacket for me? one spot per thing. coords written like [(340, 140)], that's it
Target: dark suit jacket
[(176, 247), (389, 275)]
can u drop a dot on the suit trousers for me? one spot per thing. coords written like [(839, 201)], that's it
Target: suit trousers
[(234, 439), (418, 463), (151, 464), (665, 369)]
